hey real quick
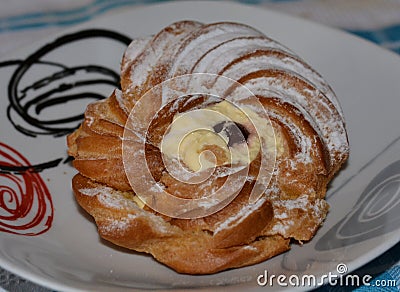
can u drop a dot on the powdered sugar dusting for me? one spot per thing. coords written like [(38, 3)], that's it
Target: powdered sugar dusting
[(119, 226), (205, 39), (240, 216), (288, 214), (316, 108), (134, 49), (113, 199), (158, 52), (95, 191)]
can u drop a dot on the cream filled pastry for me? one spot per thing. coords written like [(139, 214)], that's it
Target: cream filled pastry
[(221, 125), (273, 152)]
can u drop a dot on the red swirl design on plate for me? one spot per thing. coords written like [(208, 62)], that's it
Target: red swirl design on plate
[(26, 207)]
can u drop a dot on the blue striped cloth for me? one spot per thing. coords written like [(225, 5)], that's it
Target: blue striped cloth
[(381, 32), (389, 37), (22, 21)]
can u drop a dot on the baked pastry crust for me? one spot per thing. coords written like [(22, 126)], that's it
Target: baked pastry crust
[(302, 109)]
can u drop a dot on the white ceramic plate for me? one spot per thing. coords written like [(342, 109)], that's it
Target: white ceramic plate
[(64, 251)]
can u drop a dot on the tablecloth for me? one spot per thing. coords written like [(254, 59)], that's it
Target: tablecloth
[(25, 21)]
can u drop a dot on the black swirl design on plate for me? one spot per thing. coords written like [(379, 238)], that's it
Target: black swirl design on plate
[(42, 88), (376, 212)]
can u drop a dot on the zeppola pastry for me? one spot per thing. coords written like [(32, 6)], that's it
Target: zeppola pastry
[(216, 152)]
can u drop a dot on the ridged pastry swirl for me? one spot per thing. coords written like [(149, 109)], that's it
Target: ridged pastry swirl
[(303, 112)]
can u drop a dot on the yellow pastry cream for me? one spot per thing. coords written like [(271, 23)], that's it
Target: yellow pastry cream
[(138, 201), (223, 129)]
